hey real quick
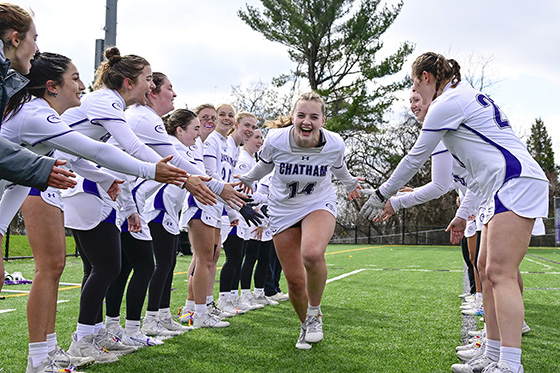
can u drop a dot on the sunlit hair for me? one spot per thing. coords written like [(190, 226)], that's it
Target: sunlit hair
[(199, 108), (44, 67), (13, 17), (440, 67), (285, 121), (112, 73), (179, 118), (225, 105), (239, 117), (158, 79)]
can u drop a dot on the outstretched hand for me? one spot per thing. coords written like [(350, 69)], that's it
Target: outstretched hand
[(166, 173), (373, 207), (457, 228), (114, 190), (60, 178), (196, 186)]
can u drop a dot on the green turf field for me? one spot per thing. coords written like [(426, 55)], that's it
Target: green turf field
[(386, 309)]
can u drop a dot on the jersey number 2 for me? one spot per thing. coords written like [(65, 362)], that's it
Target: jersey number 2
[(294, 186), (499, 117)]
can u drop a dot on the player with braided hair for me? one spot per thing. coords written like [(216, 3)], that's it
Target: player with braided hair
[(513, 186)]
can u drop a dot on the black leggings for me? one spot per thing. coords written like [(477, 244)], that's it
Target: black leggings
[(256, 250), (137, 255), (466, 258), (229, 276), (100, 250), (165, 250)]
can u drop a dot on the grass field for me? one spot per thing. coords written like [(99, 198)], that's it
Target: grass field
[(386, 309)]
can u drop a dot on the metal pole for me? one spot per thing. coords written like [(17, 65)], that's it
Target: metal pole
[(557, 219), (111, 24)]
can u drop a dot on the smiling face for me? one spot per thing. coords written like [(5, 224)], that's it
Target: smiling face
[(162, 101), (417, 106), (254, 144), (22, 50), (308, 119), (207, 117), (190, 133), (70, 91), (141, 87), (244, 129), (226, 119)]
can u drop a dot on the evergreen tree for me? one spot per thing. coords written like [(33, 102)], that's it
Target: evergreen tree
[(539, 145), (334, 45)]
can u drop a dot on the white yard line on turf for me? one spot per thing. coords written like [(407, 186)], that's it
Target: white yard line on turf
[(345, 275), (537, 262), (7, 310), (14, 291)]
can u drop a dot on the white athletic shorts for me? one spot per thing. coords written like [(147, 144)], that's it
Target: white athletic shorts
[(209, 215), (526, 197), (51, 196), (281, 222)]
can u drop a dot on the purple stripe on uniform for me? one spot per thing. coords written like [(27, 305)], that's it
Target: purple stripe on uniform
[(80, 122), (436, 153), (112, 218), (191, 201), (211, 156), (158, 200), (90, 187), (513, 166), (197, 214), (158, 144), (233, 231), (267, 162), (124, 226), (34, 192), (498, 205), (439, 129), (159, 218), (134, 191), (51, 137)]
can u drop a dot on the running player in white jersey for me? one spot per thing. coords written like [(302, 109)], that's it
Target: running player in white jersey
[(37, 124), (302, 204), (514, 188)]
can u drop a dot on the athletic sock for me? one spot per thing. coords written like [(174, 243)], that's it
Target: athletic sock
[(190, 305), (478, 296), (111, 322), (200, 309), (258, 291), (97, 327), (152, 314), (512, 356), (245, 292), (313, 310), (493, 349), (209, 299), (131, 326), (164, 313), (51, 342), (82, 330), (38, 351), (224, 295)]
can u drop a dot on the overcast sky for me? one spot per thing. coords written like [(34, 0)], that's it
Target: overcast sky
[(205, 48)]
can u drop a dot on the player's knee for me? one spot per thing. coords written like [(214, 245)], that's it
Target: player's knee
[(497, 275), (312, 258)]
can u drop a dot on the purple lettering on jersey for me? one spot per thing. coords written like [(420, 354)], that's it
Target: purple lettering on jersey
[(309, 170)]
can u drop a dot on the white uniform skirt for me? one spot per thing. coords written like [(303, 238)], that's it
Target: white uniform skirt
[(282, 219), (526, 197)]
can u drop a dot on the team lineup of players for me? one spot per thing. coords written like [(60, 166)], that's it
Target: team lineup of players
[(205, 171)]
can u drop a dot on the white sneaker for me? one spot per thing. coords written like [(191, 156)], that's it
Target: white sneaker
[(151, 326), (226, 305), (467, 355), (477, 333), (218, 312), (464, 295), (65, 360), (186, 317), (174, 326), (113, 343), (501, 367), (314, 325), (87, 346), (237, 303), (140, 339), (249, 301), (47, 366), (301, 343), (469, 346), (208, 321), (280, 297), (475, 365), (264, 300), (525, 329)]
